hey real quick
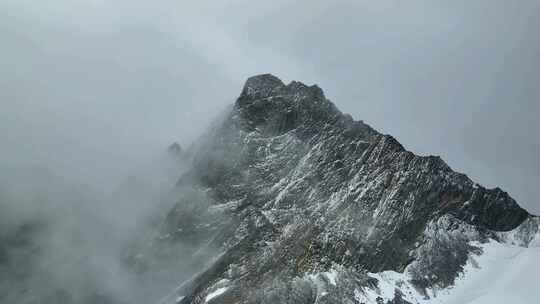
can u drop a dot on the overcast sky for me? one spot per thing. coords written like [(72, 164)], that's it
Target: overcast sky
[(87, 80)]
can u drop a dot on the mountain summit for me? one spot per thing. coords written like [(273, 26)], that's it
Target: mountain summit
[(288, 200)]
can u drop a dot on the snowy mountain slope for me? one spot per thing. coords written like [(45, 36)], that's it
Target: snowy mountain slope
[(502, 271), (288, 200), (501, 274), (507, 274)]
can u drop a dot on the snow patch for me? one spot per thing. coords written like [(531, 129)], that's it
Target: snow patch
[(216, 293), (332, 276), (504, 273)]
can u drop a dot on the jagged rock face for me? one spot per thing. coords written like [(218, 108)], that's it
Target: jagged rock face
[(287, 186)]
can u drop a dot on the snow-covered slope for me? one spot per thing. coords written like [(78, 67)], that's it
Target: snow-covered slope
[(504, 272)]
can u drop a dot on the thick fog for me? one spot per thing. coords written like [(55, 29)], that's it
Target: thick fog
[(92, 93)]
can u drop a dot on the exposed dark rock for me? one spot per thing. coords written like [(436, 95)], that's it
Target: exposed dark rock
[(288, 187)]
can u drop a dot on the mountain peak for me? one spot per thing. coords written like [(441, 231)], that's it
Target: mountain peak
[(267, 85), (266, 103), (261, 84)]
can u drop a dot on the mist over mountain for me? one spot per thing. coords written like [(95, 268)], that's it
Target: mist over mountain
[(65, 235), (452, 79), (283, 199), (148, 157)]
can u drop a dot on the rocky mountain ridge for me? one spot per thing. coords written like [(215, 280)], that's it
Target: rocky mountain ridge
[(288, 200)]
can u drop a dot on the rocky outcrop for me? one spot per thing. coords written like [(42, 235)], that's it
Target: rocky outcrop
[(287, 189)]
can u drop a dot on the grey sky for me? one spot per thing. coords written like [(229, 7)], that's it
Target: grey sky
[(87, 80)]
